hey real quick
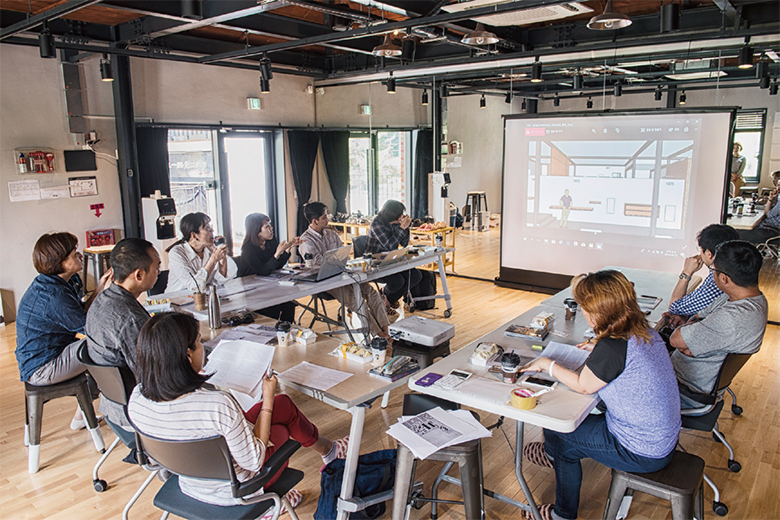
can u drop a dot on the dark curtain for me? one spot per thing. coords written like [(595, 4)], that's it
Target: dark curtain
[(303, 153), (335, 151), (153, 172), (423, 165)]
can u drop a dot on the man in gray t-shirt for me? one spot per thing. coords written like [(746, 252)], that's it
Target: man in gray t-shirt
[(733, 323)]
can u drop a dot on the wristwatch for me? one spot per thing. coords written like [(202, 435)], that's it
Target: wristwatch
[(684, 276)]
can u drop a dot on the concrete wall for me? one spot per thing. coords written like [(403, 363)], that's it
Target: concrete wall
[(339, 107), (34, 115)]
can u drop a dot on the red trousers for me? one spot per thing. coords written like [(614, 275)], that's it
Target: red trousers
[(287, 422)]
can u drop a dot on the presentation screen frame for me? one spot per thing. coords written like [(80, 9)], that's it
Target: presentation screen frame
[(551, 281)]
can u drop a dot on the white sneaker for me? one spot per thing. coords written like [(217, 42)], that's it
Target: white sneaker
[(79, 424), (294, 496)]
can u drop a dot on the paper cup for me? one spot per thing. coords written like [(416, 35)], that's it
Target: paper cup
[(200, 301), (522, 399)]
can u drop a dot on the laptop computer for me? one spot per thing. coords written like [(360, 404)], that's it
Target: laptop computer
[(333, 262), (394, 257)]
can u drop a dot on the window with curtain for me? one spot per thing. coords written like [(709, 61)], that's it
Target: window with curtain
[(749, 132), (380, 169)]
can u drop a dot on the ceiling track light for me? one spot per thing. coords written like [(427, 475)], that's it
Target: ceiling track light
[(482, 102), (265, 68), (590, 103), (536, 72), (480, 37), (387, 48), (508, 98), (192, 9), (618, 91), (670, 17), (265, 86), (425, 97), (746, 57), (46, 43), (658, 93), (683, 98), (609, 20), (764, 82), (773, 89), (391, 84), (556, 101), (524, 106), (577, 82), (762, 68), (106, 73)]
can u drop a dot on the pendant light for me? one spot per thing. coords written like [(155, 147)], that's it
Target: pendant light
[(683, 98), (480, 37), (536, 72), (609, 20), (482, 102), (556, 101), (425, 97), (746, 57), (618, 91), (106, 74), (391, 84), (387, 48), (46, 43), (658, 93), (590, 103), (578, 81)]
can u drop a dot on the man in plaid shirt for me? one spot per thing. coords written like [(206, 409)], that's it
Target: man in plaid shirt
[(686, 304)]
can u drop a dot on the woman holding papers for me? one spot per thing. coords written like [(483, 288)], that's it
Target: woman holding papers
[(174, 401), (262, 254), (195, 261), (629, 368)]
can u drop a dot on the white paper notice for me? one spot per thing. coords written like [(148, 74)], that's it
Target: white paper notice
[(435, 429), (20, 191), (314, 376), (567, 356), (240, 365), (55, 192), (82, 186)]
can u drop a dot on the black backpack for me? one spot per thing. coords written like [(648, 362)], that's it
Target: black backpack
[(375, 473), (426, 287)]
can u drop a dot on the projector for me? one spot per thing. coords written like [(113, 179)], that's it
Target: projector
[(422, 331)]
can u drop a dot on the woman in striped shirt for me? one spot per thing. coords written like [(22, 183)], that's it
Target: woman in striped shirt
[(174, 401)]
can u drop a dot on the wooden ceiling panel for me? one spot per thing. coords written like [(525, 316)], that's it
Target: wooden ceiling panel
[(99, 14)]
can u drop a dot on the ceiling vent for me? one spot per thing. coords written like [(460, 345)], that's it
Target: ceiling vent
[(521, 16)]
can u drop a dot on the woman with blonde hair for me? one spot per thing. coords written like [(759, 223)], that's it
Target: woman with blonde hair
[(630, 370)]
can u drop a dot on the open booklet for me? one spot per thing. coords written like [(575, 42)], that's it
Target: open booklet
[(567, 356), (240, 365)]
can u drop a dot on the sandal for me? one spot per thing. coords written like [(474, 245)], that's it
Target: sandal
[(534, 452), (545, 511)]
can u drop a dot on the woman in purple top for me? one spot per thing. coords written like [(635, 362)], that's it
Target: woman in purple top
[(630, 369)]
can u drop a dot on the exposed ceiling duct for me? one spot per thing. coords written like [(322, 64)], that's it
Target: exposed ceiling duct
[(521, 17)]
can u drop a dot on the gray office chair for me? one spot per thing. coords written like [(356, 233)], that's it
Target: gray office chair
[(770, 248), (116, 384), (705, 418), (210, 459)]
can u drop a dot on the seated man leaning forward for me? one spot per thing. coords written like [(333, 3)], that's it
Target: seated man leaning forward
[(116, 316), (317, 239), (684, 304), (734, 322)]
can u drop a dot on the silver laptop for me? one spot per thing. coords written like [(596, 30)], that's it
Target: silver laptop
[(333, 263), (394, 257)]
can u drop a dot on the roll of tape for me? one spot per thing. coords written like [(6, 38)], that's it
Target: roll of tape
[(522, 399)]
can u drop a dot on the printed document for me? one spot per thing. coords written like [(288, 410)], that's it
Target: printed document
[(240, 365), (435, 429), (314, 376), (567, 356)]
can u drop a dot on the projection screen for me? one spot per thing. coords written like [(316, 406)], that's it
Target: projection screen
[(581, 192)]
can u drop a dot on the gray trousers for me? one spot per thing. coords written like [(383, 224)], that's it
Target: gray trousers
[(63, 367), (376, 314)]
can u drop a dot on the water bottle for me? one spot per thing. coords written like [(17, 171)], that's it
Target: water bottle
[(215, 314)]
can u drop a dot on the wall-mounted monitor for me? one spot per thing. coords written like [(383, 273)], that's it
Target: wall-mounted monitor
[(80, 161)]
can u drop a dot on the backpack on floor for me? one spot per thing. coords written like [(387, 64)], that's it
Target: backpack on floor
[(426, 287), (375, 473)]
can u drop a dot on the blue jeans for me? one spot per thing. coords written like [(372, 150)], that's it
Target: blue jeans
[(591, 440)]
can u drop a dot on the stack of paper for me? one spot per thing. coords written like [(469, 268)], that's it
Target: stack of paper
[(567, 356), (240, 365), (254, 333), (435, 429)]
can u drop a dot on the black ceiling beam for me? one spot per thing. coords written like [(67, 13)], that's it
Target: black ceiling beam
[(383, 28), (50, 14)]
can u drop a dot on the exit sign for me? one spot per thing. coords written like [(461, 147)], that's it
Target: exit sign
[(253, 103)]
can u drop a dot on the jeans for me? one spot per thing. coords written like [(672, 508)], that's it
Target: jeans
[(591, 440), (397, 285)]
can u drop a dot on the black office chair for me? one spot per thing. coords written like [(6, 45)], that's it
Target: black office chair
[(705, 418), (160, 284), (116, 384), (359, 245), (210, 459)]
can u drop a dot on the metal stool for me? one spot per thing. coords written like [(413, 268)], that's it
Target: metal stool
[(468, 455), (424, 355), (681, 483), (100, 257), (34, 399), (474, 200)]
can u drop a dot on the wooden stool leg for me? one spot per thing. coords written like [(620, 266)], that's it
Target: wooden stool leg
[(404, 476), (34, 419), (616, 491)]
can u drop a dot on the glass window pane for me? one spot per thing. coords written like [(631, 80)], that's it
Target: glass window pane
[(191, 165), (391, 150), (247, 181), (358, 174)]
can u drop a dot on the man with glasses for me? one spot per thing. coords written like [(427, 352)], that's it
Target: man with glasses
[(733, 323), (684, 304)]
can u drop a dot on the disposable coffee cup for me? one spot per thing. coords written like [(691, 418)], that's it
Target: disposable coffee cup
[(200, 301), (283, 333), (509, 364), (571, 308), (378, 351)]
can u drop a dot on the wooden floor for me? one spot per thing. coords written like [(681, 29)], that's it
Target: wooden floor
[(478, 253), (62, 489)]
